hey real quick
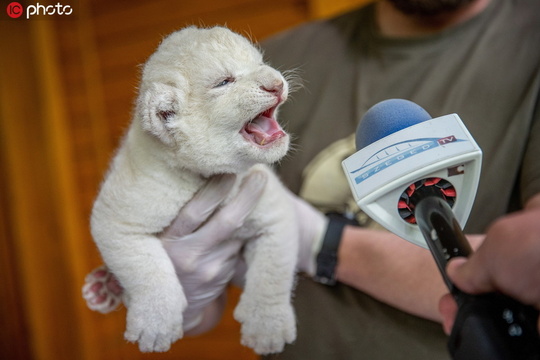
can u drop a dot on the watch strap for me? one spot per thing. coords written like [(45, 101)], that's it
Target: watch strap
[(327, 257)]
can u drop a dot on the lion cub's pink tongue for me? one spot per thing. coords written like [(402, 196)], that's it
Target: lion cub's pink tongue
[(264, 130)]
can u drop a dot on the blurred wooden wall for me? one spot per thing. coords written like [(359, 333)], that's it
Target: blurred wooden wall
[(66, 93)]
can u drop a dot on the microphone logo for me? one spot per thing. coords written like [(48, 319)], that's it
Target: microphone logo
[(395, 153), (446, 140)]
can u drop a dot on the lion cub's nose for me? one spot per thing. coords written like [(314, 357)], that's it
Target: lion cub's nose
[(274, 88)]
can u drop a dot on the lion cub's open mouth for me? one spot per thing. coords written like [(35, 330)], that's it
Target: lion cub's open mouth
[(264, 129)]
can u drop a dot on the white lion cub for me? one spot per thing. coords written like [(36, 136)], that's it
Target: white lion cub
[(206, 105)]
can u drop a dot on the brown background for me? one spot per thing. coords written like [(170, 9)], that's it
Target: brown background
[(66, 92)]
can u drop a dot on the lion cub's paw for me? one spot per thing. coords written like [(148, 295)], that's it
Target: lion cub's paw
[(266, 328), (102, 291), (155, 322)]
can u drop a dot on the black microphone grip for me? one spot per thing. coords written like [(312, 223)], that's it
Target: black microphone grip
[(489, 326)]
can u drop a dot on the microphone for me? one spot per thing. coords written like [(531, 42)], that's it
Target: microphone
[(417, 176), (403, 153)]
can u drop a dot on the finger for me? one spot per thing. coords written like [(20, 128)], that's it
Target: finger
[(231, 217), (201, 206), (469, 277), (244, 202), (239, 278), (448, 309), (222, 225)]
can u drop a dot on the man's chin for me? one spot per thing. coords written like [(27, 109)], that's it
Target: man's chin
[(428, 7)]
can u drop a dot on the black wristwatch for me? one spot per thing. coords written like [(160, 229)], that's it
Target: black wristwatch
[(327, 257)]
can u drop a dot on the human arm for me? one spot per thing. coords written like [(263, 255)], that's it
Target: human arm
[(508, 262), (392, 270)]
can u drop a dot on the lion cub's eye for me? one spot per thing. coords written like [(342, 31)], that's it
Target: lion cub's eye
[(225, 82)]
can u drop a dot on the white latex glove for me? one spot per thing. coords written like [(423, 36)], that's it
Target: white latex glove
[(312, 227), (206, 258)]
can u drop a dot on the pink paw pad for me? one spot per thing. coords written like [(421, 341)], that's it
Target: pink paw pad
[(102, 291)]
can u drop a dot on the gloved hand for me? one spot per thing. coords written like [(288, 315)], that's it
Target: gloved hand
[(205, 259)]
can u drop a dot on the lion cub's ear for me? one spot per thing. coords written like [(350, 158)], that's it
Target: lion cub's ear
[(159, 109)]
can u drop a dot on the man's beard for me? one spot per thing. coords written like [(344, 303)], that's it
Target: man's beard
[(428, 7)]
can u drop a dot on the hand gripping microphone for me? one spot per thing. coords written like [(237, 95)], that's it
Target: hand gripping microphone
[(417, 176)]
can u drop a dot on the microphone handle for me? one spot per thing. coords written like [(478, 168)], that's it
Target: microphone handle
[(490, 326)]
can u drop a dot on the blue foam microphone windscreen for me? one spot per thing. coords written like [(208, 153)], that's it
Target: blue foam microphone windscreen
[(388, 117)]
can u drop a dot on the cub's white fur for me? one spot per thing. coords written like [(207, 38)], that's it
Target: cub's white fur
[(197, 93)]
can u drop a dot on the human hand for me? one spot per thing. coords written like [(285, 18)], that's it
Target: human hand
[(206, 257), (508, 261)]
